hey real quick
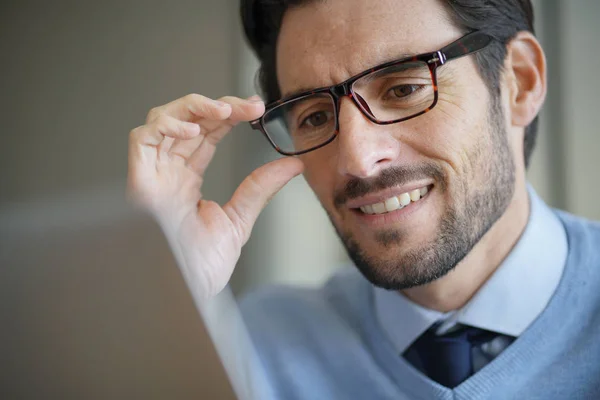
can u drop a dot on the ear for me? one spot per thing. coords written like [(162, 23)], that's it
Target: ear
[(526, 73)]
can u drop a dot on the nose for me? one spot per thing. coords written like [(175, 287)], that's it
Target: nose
[(365, 148)]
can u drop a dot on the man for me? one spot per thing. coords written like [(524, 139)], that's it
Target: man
[(413, 122)]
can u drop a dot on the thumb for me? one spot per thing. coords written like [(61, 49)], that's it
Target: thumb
[(257, 190)]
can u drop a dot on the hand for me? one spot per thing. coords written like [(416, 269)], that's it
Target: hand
[(167, 160)]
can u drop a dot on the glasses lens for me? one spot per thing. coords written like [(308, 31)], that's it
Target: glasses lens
[(301, 124), (396, 92)]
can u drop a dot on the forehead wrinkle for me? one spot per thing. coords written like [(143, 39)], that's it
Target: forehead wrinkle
[(335, 65), (318, 57), (325, 43)]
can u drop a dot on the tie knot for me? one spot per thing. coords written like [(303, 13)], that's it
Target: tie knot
[(458, 334), (447, 358)]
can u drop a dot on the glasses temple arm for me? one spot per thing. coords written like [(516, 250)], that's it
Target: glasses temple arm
[(468, 44)]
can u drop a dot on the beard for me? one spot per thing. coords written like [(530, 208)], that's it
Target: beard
[(462, 225)]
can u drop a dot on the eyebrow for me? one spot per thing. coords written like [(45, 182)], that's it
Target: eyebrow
[(296, 92), (301, 90)]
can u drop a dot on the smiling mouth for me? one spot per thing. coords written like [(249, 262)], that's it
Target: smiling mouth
[(396, 202)]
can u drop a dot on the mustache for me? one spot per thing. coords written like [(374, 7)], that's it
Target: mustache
[(390, 177)]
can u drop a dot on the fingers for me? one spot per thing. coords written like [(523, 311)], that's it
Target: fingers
[(215, 118), (244, 109), (194, 107), (190, 128), (190, 107), (200, 158), (164, 126), (256, 190)]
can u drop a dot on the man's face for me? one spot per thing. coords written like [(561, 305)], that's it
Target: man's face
[(459, 151)]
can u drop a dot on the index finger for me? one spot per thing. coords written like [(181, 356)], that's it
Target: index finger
[(244, 109), (194, 107)]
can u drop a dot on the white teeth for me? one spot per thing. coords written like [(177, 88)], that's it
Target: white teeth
[(392, 204), (404, 199), (395, 203), (415, 195), (378, 208)]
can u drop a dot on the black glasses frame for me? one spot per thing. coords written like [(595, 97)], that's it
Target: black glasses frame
[(468, 44)]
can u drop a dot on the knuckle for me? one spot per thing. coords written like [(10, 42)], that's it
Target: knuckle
[(153, 114), (162, 119), (162, 123), (136, 133), (255, 183), (195, 103), (194, 98)]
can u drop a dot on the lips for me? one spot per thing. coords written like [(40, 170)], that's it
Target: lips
[(394, 203), (381, 196)]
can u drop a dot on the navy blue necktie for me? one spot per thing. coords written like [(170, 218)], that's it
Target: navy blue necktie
[(447, 358)]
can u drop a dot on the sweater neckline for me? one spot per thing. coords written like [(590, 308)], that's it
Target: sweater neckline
[(503, 368)]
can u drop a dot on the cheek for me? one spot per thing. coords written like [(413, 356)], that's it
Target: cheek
[(456, 129), (443, 137)]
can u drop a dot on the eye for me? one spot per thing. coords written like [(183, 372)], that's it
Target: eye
[(317, 119), (404, 90)]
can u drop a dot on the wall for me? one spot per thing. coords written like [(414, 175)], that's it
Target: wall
[(565, 160), (579, 62), (93, 306)]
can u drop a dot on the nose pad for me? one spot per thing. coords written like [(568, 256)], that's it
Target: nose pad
[(362, 102)]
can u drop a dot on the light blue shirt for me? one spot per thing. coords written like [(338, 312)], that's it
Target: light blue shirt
[(329, 343), (509, 301)]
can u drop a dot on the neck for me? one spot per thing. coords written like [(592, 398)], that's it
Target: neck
[(456, 288)]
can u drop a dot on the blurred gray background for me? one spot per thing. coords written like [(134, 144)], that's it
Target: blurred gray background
[(91, 303)]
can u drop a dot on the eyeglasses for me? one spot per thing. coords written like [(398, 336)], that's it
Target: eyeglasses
[(386, 94)]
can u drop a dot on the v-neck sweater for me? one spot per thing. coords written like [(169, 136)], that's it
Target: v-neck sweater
[(327, 343)]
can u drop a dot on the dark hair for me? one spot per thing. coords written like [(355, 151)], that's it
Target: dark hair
[(501, 19)]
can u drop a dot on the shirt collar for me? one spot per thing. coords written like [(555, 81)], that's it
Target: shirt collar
[(508, 302)]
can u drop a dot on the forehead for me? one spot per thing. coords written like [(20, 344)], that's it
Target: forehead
[(326, 42)]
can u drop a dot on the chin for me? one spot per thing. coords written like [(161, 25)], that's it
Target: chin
[(396, 263)]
